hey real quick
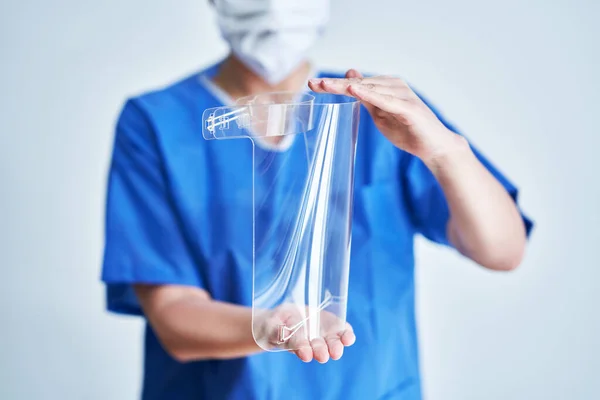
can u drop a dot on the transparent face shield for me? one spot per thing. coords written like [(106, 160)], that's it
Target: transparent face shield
[(302, 211)]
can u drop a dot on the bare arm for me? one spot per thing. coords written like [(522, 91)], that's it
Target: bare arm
[(192, 326), (485, 224)]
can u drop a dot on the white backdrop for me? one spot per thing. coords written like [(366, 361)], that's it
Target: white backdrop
[(519, 78)]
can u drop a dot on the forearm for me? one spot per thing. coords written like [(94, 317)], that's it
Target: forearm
[(195, 327), (485, 224)]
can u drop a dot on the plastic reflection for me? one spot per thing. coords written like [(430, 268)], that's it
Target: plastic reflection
[(302, 211)]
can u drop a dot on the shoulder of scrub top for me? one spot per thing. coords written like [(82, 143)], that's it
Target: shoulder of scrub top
[(180, 89)]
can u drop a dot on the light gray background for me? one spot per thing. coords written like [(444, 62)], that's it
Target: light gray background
[(519, 78)]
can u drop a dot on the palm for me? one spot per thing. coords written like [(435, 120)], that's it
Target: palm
[(309, 334)]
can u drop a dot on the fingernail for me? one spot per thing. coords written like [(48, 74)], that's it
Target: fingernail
[(315, 81)]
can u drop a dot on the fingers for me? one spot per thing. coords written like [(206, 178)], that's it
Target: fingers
[(335, 335), (298, 343), (335, 86), (348, 338), (320, 350), (340, 85), (385, 93), (323, 349), (304, 353), (336, 343), (384, 101), (301, 347), (335, 346), (316, 85)]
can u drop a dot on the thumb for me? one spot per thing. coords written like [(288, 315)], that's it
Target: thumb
[(352, 73)]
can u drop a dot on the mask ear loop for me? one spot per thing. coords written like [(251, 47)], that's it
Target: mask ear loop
[(282, 338)]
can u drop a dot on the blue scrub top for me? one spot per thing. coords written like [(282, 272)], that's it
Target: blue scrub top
[(168, 222)]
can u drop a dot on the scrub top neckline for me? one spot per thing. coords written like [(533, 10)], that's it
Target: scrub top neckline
[(204, 78)]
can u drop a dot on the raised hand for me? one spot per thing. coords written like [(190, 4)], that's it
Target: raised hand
[(396, 110)]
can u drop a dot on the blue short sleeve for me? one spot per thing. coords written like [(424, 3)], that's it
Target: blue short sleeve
[(426, 199), (144, 243)]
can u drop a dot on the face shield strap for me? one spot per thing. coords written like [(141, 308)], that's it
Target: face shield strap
[(273, 114)]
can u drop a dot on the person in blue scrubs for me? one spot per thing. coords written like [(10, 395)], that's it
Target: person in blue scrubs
[(174, 253)]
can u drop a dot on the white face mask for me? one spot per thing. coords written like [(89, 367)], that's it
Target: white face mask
[(272, 37)]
